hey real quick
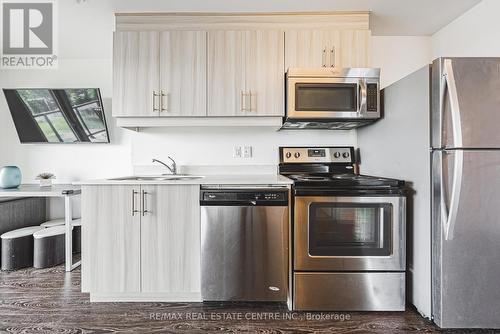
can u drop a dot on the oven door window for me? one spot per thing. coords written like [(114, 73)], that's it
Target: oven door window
[(350, 229), (326, 97)]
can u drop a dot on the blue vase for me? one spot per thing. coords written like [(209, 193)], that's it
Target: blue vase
[(10, 177)]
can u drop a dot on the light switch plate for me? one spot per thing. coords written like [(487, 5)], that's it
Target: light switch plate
[(247, 152), (237, 152)]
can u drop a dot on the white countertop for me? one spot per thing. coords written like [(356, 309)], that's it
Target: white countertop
[(263, 179), (34, 190)]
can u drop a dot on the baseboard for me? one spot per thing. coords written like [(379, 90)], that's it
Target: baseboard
[(145, 297)]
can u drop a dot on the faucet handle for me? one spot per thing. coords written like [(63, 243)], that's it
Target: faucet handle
[(174, 165)]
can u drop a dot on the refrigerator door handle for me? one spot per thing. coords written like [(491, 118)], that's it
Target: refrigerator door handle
[(450, 86), (449, 218)]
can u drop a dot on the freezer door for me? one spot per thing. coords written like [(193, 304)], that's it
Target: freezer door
[(466, 103), (466, 238)]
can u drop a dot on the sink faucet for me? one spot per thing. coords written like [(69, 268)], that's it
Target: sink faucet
[(172, 169)]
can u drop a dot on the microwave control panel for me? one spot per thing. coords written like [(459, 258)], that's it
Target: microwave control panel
[(372, 97)]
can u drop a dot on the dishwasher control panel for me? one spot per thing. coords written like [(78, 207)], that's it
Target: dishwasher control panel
[(245, 197)]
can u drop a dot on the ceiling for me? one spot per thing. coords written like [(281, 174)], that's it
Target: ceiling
[(389, 17), (406, 17)]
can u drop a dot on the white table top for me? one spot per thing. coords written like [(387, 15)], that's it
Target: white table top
[(34, 190)]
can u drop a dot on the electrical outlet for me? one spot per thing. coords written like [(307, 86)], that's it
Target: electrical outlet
[(247, 152), (237, 152)]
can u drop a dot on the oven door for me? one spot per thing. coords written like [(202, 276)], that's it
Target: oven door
[(349, 233), (328, 98)]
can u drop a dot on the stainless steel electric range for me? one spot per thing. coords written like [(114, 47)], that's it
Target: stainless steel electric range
[(348, 233)]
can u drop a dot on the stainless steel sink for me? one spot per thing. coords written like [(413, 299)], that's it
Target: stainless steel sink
[(158, 178)]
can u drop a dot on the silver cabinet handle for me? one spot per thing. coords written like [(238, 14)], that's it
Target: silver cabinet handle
[(244, 102), (144, 203), (134, 210), (163, 101), (449, 217), (332, 57), (249, 95), (323, 58), (155, 105)]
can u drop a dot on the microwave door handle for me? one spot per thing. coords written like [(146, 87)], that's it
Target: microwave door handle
[(362, 96)]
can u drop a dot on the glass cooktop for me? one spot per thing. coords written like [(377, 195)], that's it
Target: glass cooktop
[(349, 181)]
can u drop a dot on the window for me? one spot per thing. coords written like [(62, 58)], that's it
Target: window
[(48, 115), (86, 105), (58, 115)]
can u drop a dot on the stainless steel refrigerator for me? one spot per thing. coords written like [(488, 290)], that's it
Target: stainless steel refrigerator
[(465, 146), (453, 107)]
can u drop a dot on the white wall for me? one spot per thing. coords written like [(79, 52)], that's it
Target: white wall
[(398, 147), (214, 146), (399, 56), (474, 34)]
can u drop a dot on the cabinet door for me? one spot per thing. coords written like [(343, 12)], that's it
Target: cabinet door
[(183, 61), (354, 49), (307, 48), (265, 73), (113, 237), (170, 233), (136, 69), (329, 48), (226, 73)]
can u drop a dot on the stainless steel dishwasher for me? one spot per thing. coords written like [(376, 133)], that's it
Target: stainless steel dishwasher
[(244, 243)]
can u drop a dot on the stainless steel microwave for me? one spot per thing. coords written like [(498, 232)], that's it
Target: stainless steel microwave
[(330, 98)]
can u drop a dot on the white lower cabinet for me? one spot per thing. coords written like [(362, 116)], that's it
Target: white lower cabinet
[(141, 243)]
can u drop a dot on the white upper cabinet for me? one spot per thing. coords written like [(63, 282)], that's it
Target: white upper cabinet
[(226, 73), (327, 48), (265, 75), (310, 48), (183, 68), (136, 73), (355, 46), (159, 74), (245, 73)]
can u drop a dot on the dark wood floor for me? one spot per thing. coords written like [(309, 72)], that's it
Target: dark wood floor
[(49, 301)]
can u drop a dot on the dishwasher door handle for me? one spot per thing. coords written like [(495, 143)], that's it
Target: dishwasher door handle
[(230, 204)]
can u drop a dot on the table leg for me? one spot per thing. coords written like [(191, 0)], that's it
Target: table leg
[(68, 218)]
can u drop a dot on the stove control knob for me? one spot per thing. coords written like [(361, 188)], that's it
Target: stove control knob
[(288, 155), (297, 155), (345, 155), (336, 155)]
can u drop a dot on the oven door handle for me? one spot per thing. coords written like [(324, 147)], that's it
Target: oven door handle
[(362, 96)]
